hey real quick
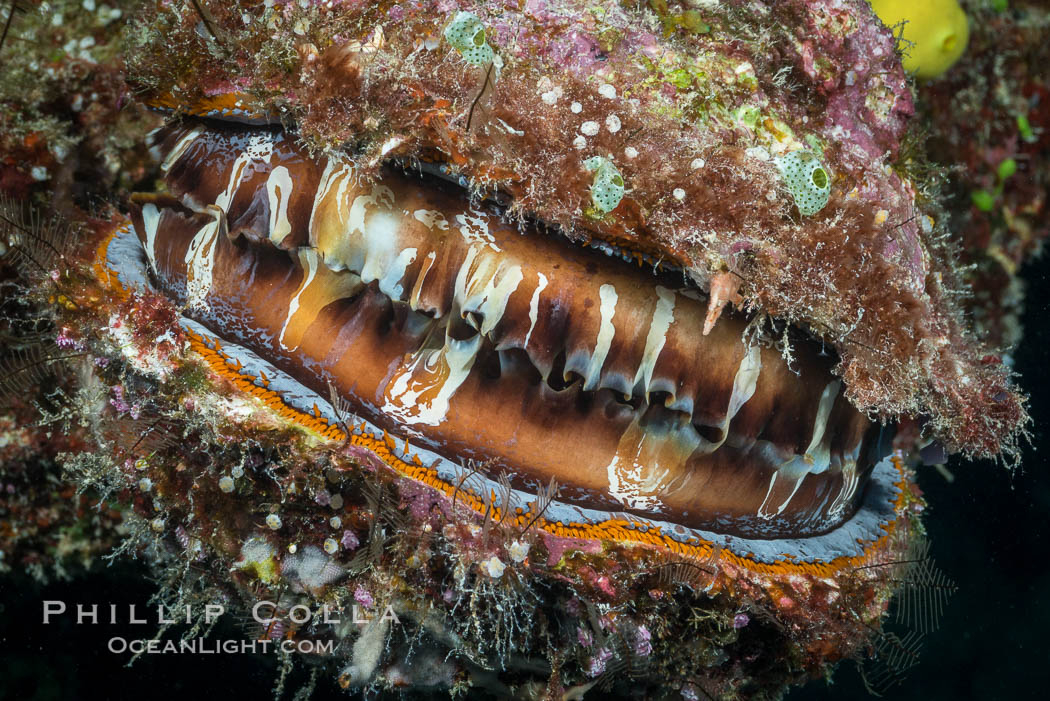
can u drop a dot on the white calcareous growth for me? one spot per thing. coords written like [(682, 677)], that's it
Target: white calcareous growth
[(518, 551), (493, 567)]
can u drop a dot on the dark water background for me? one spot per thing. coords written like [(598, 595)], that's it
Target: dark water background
[(991, 535), (989, 531)]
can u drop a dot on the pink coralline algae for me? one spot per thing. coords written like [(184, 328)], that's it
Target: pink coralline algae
[(363, 597), (598, 661), (349, 541)]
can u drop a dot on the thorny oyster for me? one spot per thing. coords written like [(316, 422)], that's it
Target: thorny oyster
[(425, 278)]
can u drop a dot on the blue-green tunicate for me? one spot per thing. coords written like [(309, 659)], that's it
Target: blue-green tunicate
[(607, 188), (806, 180), (466, 34)]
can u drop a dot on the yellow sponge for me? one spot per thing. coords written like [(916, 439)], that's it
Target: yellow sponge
[(938, 30)]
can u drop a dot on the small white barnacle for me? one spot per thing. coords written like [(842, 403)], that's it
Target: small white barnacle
[(607, 187), (466, 34), (807, 180), (273, 521)]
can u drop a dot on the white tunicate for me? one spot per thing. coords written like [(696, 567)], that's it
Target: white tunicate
[(273, 521), (226, 484), (311, 567), (606, 90), (331, 546), (607, 188), (630, 152), (145, 484), (481, 56), (612, 123), (806, 180), (335, 522), (576, 108), (465, 31), (255, 550), (589, 128), (466, 34), (157, 524), (679, 194), (580, 142), (697, 163), (336, 502)]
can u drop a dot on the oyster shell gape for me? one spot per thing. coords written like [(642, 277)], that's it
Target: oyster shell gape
[(444, 326)]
